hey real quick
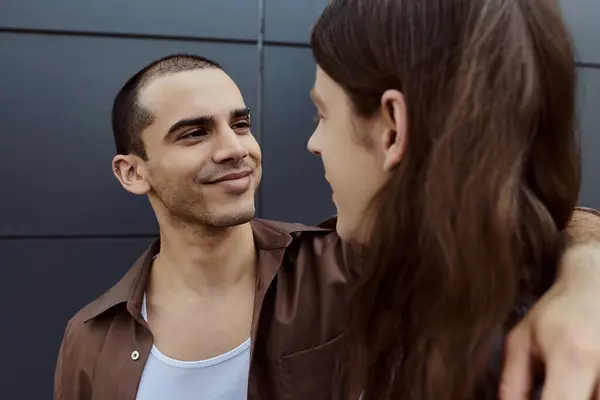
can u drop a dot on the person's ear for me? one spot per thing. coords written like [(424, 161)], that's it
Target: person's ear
[(131, 171), (393, 110)]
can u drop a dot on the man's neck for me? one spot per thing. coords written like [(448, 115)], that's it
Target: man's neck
[(203, 260)]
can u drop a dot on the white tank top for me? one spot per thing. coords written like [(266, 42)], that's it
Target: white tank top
[(224, 377)]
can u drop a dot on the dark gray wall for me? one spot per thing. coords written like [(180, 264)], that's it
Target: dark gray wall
[(582, 17), (67, 229)]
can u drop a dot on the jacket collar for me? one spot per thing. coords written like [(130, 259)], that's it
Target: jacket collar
[(268, 236)]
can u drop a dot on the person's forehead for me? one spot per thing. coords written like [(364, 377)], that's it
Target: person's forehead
[(325, 87), (201, 91)]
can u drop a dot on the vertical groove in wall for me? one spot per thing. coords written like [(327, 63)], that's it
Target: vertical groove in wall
[(258, 127)]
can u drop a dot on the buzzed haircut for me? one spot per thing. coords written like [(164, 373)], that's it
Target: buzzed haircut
[(129, 117)]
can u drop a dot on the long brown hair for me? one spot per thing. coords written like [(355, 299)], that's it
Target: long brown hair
[(471, 218)]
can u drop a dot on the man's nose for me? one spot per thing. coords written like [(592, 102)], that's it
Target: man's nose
[(230, 147), (312, 145)]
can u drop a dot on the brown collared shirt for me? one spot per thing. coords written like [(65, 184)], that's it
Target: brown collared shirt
[(301, 288), (303, 279)]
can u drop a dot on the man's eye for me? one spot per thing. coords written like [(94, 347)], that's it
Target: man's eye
[(241, 125), (195, 134)]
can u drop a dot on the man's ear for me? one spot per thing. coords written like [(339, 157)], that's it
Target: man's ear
[(132, 172), (393, 110)]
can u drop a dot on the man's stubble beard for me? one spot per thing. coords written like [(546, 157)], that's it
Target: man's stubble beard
[(191, 208)]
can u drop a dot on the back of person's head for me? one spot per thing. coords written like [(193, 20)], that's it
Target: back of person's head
[(471, 217), (129, 117)]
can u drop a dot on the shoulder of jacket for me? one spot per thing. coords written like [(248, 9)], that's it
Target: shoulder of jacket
[(90, 321), (292, 227)]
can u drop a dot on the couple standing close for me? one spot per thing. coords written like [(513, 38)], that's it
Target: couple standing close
[(447, 135)]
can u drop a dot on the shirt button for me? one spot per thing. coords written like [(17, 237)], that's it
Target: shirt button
[(135, 355)]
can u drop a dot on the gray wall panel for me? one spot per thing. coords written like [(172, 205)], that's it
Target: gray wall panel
[(230, 19), (582, 16), (55, 121), (56, 278), (293, 185), (589, 109), (291, 20)]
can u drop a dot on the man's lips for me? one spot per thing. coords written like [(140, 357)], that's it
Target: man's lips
[(233, 176)]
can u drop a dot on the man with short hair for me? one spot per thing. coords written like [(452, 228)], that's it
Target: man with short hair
[(223, 306)]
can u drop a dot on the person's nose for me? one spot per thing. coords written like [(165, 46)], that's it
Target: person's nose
[(230, 148), (312, 144)]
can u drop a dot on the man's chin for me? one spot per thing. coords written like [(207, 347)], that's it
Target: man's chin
[(228, 220), (356, 234)]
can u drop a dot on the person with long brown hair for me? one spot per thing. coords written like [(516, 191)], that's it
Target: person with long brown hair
[(447, 132)]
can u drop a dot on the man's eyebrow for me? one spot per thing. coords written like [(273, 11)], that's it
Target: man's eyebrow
[(205, 121), (316, 98), (239, 113)]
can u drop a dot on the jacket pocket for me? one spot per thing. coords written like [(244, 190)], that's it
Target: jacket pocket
[(310, 374)]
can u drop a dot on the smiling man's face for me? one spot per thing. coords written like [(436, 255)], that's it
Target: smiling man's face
[(203, 163)]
